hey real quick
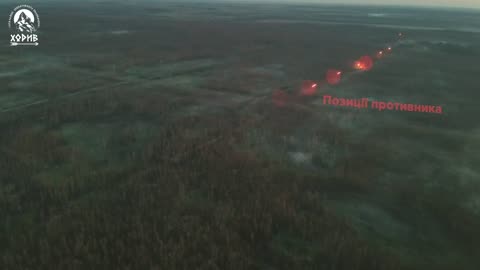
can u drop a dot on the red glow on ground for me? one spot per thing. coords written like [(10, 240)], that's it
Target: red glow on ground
[(334, 76), (367, 61), (309, 88), (364, 63), (358, 65), (279, 98)]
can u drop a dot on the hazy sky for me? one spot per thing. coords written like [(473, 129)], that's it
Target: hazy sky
[(439, 3)]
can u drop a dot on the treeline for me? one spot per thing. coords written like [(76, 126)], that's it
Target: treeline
[(186, 202)]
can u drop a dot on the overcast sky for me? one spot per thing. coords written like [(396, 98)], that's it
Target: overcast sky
[(439, 3), (433, 3)]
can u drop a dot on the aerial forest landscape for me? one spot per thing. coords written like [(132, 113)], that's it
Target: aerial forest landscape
[(194, 135)]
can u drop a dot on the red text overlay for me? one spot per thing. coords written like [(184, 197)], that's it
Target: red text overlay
[(364, 103)]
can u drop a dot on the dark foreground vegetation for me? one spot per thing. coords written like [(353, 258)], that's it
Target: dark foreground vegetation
[(188, 198), (193, 195)]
